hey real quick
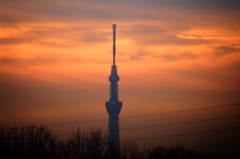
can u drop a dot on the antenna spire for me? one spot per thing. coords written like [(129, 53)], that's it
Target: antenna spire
[(114, 43)]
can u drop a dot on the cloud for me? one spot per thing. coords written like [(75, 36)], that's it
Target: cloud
[(150, 56), (101, 11), (46, 61), (11, 41), (29, 62), (177, 57), (223, 50), (188, 55), (71, 11), (24, 91), (54, 35), (184, 4), (168, 57), (170, 39), (26, 10), (139, 56)]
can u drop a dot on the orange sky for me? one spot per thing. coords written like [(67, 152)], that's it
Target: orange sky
[(55, 59)]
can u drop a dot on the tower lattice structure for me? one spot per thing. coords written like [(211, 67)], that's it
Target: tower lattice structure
[(114, 105)]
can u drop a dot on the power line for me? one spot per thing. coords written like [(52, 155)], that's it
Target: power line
[(185, 134), (182, 111), (175, 135), (137, 116), (182, 123), (171, 124), (194, 96), (62, 124)]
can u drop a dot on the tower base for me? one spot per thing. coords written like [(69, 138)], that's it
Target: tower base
[(113, 109)]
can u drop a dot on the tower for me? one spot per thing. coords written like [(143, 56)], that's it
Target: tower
[(113, 105)]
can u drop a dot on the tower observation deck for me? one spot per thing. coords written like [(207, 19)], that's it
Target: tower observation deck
[(113, 105)]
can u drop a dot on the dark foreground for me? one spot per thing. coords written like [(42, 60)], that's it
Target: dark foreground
[(39, 143)]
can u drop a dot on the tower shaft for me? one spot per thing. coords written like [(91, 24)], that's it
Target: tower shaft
[(114, 43), (113, 106)]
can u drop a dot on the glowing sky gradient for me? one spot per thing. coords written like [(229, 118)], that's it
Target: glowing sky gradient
[(55, 59)]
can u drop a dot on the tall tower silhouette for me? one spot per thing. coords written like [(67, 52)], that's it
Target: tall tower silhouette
[(113, 105)]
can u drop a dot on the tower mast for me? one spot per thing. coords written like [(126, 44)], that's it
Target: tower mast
[(114, 43), (113, 106)]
